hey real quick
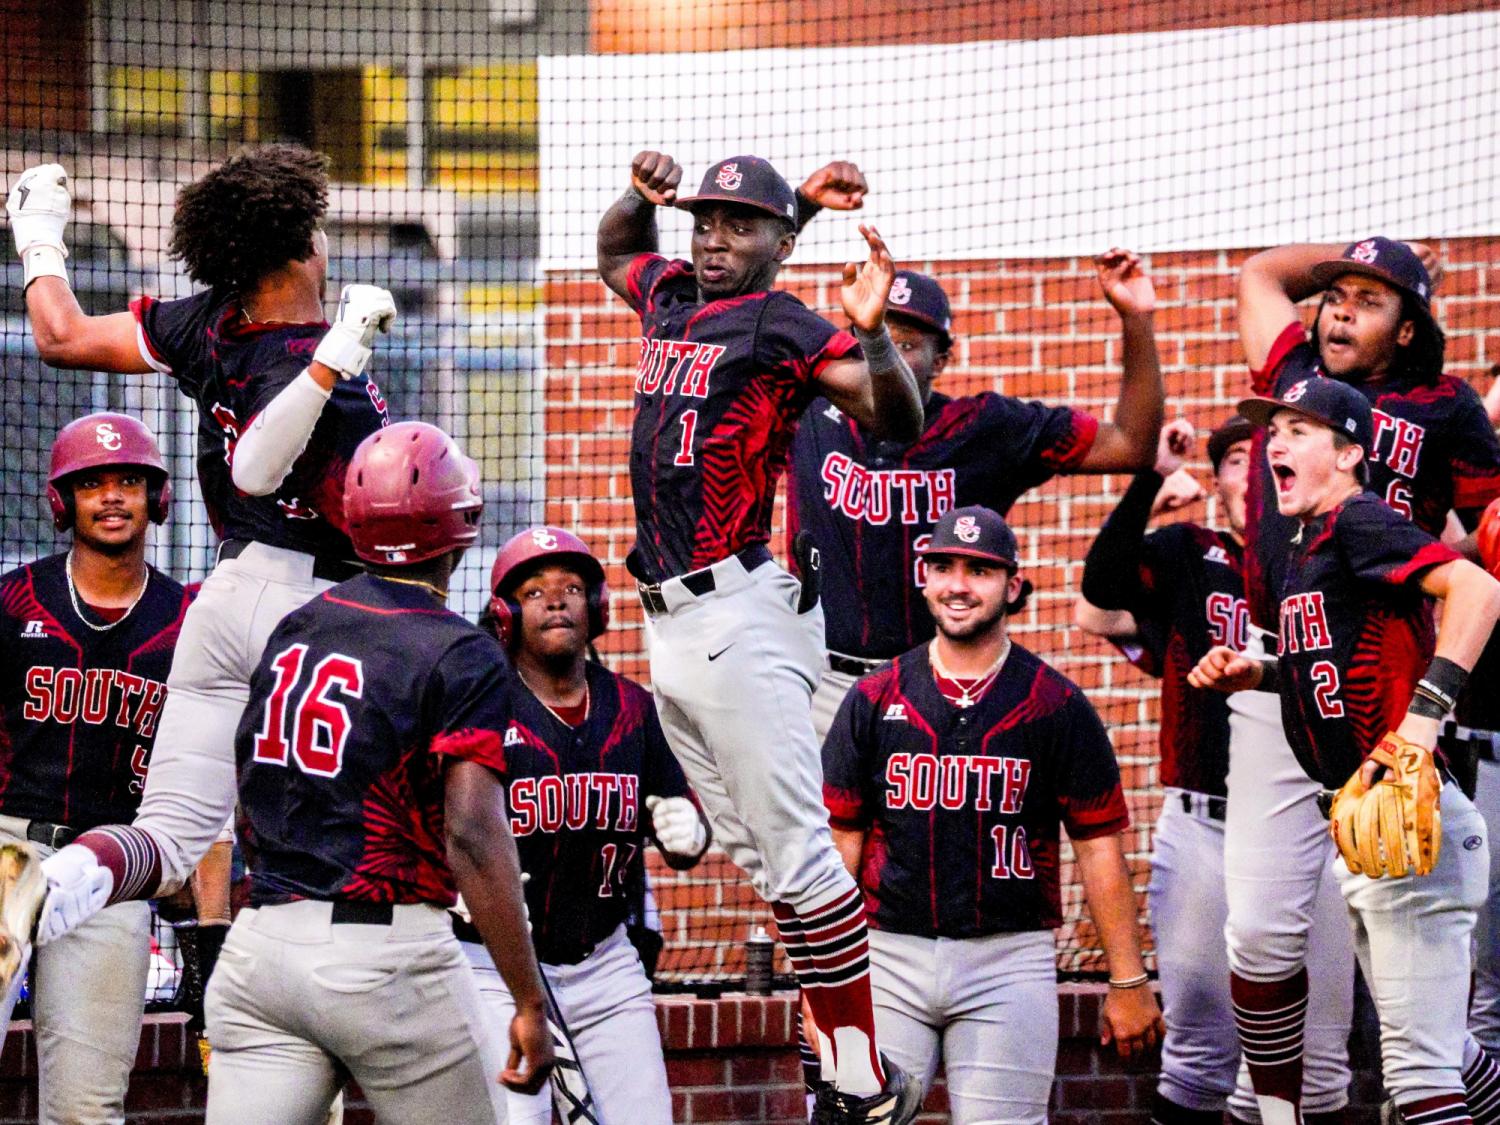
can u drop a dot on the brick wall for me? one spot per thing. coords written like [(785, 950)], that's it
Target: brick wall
[(1034, 328), (730, 1059)]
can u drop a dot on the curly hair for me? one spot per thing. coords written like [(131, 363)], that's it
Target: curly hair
[(250, 215)]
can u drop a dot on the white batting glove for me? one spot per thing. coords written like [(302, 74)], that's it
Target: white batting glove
[(78, 886), (363, 311), (676, 825), (39, 206)]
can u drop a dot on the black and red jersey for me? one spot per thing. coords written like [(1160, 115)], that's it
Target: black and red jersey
[(1435, 452), (362, 696), (577, 803), (1356, 632), (79, 707), (718, 391), (871, 505), (232, 368), (963, 805)]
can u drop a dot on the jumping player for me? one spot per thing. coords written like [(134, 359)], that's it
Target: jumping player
[(1356, 658), (871, 504), (584, 754), (282, 404), (370, 762), (1164, 599), (948, 773), (727, 366), (89, 635), (1433, 452)]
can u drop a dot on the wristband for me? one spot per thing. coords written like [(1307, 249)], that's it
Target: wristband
[(341, 349), (1270, 677), (1130, 982), (806, 209), (879, 348), (1444, 679), (41, 260), (1425, 706)]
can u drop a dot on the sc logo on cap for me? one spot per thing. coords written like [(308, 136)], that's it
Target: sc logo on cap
[(106, 435), (730, 178), (966, 529), (1296, 393), (1365, 252), (900, 292)]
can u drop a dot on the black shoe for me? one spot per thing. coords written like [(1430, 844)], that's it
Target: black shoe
[(1389, 1113), (898, 1102)]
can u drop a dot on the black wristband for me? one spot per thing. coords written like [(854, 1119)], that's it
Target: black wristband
[(1446, 679), (1425, 706), (1270, 677), (806, 209)]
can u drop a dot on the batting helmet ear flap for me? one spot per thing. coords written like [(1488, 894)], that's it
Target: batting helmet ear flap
[(598, 608), (158, 500), (61, 505), (506, 618)]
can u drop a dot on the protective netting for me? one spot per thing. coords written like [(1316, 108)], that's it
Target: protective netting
[(475, 145)]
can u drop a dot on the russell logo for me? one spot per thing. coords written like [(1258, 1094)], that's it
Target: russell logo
[(1473, 843)]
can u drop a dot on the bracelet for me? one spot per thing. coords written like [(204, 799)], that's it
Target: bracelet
[(1429, 690), (1130, 982), (1425, 707)]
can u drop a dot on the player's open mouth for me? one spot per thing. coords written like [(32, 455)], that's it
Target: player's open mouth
[(714, 273), (1338, 341), (1285, 476)]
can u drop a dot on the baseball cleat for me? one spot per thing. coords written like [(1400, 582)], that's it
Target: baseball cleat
[(23, 889), (897, 1103)]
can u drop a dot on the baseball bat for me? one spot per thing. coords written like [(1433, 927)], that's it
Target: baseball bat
[(570, 1086)]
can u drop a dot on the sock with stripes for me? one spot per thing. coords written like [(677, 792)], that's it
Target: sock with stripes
[(812, 1065), (830, 953), (1481, 1077), (1270, 1017), (1442, 1109)]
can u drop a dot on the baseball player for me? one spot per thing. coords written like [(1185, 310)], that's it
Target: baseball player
[(948, 773), (282, 405), (89, 635), (871, 504), (1356, 658), (1165, 598), (370, 761), (1433, 452), (584, 754), (727, 366)]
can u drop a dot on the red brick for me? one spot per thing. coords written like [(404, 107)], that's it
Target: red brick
[(700, 1070)]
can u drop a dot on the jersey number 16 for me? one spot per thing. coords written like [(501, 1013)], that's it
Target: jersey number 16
[(317, 727)]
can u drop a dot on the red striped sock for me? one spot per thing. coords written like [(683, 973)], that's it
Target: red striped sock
[(1270, 1016), (1481, 1083), (1443, 1109)]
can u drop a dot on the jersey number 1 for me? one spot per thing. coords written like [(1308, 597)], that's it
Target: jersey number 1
[(319, 725), (689, 422)]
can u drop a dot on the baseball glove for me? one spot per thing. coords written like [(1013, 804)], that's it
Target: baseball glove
[(1393, 827)]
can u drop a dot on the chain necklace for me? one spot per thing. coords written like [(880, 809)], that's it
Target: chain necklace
[(547, 705), (975, 691), (440, 594), (78, 609)]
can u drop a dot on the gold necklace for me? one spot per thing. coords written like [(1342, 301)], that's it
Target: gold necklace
[(547, 705), (970, 695), (73, 597), (441, 595)]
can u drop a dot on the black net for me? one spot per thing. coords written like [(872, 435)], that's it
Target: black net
[(475, 144)]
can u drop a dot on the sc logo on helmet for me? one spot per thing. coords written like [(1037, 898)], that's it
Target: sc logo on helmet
[(544, 539), (106, 435)]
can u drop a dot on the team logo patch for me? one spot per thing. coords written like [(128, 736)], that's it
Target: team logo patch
[(1216, 554), (512, 737), (1365, 252), (730, 177), (896, 712), (966, 528), (106, 435), (544, 539), (1295, 394), (35, 628), (900, 292), (1473, 843)]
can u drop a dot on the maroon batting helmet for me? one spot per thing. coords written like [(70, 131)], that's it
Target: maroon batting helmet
[(106, 441), (529, 550), (410, 495)]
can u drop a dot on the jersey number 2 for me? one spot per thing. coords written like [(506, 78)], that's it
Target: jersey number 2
[(1325, 678), (319, 725)]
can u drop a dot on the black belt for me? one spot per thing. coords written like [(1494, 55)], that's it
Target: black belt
[(1205, 804), (698, 582), (346, 913), (329, 570), (53, 835), (852, 665)]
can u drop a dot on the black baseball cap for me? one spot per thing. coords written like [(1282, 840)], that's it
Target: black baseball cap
[(975, 532), (1384, 259), (1226, 433), (1337, 405), (748, 180), (920, 298)]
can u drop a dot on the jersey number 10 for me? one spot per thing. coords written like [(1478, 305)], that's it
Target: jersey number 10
[(319, 725)]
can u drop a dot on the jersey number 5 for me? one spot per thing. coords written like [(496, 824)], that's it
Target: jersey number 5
[(319, 725)]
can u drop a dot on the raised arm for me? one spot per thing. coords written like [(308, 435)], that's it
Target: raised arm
[(879, 392), (1128, 443), (39, 206), (628, 228), (838, 186)]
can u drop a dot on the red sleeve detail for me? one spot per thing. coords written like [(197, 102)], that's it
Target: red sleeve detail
[(139, 308), (845, 808), (483, 747), (1090, 817), (1434, 554), (1068, 453), (1263, 381), (1473, 489), (633, 272), (841, 345)]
